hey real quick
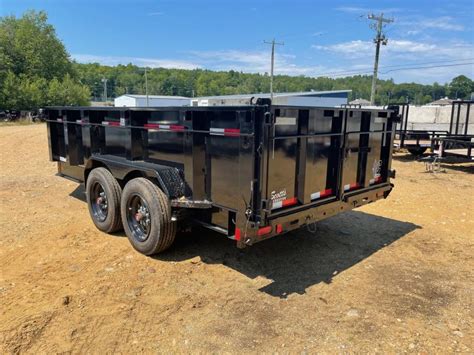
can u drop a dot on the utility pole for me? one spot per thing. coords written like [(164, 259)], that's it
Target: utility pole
[(146, 88), (104, 80), (273, 63), (379, 39)]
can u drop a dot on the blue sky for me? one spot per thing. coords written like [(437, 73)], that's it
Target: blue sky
[(331, 38)]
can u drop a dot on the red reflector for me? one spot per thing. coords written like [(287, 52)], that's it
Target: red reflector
[(264, 230), (279, 228), (290, 201), (237, 234), (354, 186), (151, 125)]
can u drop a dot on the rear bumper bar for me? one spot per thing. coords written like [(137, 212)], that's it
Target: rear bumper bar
[(326, 208)]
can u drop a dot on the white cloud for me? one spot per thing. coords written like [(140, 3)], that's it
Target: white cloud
[(401, 53), (364, 10), (443, 23), (402, 48), (252, 62), (148, 62)]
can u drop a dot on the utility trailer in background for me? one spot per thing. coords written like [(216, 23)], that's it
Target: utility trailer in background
[(249, 172), (416, 141), (457, 141)]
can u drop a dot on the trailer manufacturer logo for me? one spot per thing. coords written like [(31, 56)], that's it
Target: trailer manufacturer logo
[(278, 196), (376, 168)]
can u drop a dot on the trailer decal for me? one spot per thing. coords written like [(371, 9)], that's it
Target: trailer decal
[(321, 194)]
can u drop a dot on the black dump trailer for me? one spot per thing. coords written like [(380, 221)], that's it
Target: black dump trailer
[(248, 172)]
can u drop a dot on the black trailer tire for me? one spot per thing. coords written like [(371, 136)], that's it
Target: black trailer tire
[(417, 151), (103, 200), (146, 216)]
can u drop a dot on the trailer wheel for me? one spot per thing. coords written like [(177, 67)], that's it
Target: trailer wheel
[(146, 215), (103, 199), (416, 151)]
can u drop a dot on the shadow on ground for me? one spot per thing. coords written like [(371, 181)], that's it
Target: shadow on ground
[(79, 193), (296, 260), (300, 259)]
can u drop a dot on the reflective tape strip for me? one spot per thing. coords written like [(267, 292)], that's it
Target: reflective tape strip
[(59, 119), (284, 203), (79, 121), (164, 127), (151, 125), (111, 123), (177, 128), (321, 194), (217, 131), (375, 180), (351, 186), (63, 159), (225, 131)]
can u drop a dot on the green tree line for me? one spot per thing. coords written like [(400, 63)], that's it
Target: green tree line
[(130, 79), (36, 71)]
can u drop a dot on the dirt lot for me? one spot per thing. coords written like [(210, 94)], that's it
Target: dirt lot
[(395, 276)]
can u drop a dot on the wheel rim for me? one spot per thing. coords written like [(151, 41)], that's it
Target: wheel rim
[(100, 206), (138, 218)]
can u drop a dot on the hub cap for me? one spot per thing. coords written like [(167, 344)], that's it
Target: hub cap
[(99, 202), (138, 218)]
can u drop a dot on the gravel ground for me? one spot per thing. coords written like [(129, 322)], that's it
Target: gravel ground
[(394, 276)]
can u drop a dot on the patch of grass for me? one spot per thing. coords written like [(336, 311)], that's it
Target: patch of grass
[(20, 122)]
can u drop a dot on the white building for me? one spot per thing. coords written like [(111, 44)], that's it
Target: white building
[(153, 101), (309, 98)]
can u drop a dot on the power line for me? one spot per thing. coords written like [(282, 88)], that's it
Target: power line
[(427, 67), (360, 71), (392, 70), (379, 39)]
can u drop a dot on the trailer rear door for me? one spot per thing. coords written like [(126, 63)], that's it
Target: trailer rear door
[(304, 153), (364, 140), (316, 154)]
